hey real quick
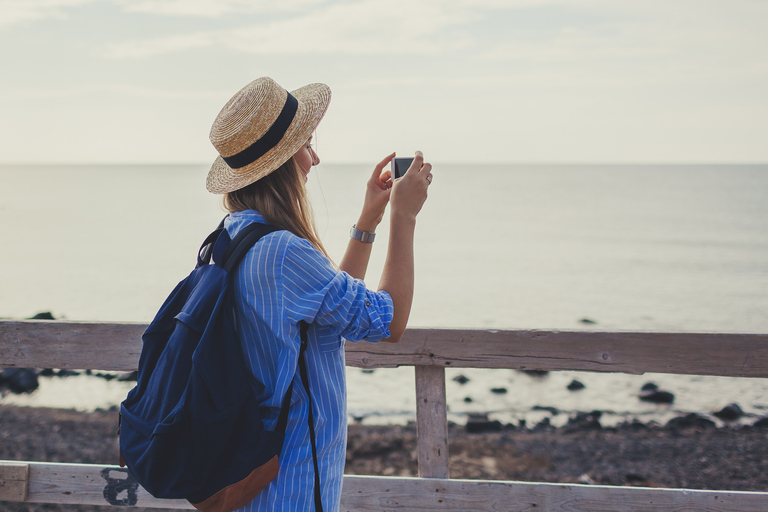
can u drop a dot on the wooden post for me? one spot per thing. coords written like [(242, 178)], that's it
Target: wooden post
[(431, 421), (14, 481)]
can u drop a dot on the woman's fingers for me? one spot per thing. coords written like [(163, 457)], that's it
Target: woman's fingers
[(417, 163), (380, 166)]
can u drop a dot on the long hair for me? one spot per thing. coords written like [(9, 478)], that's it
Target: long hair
[(281, 197)]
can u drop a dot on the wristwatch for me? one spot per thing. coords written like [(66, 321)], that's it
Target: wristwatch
[(364, 236)]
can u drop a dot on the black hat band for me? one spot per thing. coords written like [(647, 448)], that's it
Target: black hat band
[(269, 140)]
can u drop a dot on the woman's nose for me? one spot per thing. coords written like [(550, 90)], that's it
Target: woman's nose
[(315, 158)]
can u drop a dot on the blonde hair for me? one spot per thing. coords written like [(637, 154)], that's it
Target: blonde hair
[(281, 197)]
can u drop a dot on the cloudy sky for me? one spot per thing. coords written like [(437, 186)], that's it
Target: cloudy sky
[(583, 81)]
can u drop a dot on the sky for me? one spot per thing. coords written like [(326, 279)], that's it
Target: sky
[(465, 81)]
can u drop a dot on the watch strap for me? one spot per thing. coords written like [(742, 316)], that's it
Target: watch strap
[(364, 236)]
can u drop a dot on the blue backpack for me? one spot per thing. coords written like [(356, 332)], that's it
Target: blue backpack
[(191, 428)]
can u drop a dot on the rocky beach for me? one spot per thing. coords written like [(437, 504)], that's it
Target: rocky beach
[(689, 452)]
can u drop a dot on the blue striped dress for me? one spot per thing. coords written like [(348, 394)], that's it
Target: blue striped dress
[(281, 281)]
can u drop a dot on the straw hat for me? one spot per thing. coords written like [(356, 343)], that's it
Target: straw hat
[(260, 129)]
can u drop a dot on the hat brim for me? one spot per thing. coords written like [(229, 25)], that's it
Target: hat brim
[(313, 102)]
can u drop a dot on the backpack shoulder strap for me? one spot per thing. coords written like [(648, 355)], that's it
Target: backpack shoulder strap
[(206, 250), (304, 328), (242, 243)]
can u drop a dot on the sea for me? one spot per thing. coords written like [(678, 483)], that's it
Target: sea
[(672, 248)]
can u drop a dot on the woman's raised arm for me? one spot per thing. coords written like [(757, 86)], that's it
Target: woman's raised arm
[(357, 255), (408, 196)]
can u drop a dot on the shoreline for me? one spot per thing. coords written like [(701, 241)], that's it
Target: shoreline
[(549, 397), (695, 454)]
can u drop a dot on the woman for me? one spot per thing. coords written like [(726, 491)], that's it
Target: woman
[(263, 136)]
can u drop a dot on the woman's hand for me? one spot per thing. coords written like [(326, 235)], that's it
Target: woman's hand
[(377, 193), (410, 191)]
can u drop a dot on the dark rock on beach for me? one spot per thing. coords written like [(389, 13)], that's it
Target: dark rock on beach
[(478, 423), (45, 315), (535, 373), (691, 420), (587, 321), (554, 411), (461, 379), (730, 412), (634, 425), (575, 385), (19, 380), (584, 421), (650, 392), (128, 376), (499, 391)]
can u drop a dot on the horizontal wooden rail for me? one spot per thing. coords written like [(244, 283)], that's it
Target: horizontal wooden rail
[(116, 346), (92, 484)]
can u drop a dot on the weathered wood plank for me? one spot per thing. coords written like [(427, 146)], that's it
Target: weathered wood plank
[(735, 355), (70, 345), (104, 346), (377, 494), (431, 422), (14, 480), (90, 484), (108, 485)]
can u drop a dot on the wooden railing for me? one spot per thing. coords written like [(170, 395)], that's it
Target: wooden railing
[(116, 347)]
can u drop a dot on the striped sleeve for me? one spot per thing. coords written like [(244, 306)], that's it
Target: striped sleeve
[(315, 292)]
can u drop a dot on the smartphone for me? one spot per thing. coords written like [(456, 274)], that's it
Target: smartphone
[(399, 166)]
